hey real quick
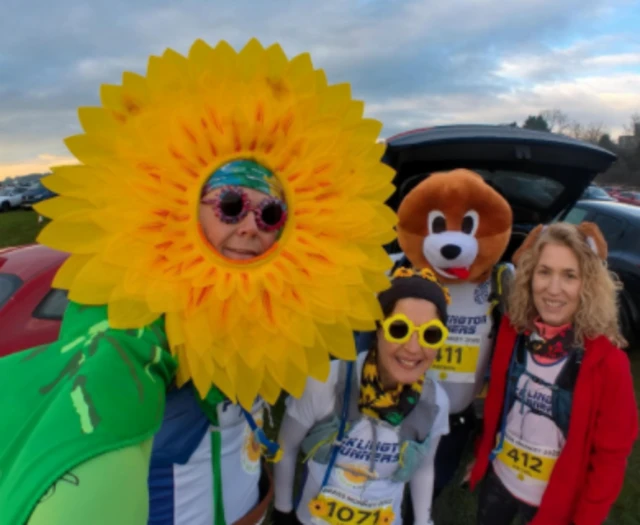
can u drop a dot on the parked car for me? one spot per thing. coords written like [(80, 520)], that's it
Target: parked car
[(30, 310), (629, 197), (597, 193), (620, 225), (36, 195), (10, 199), (541, 174)]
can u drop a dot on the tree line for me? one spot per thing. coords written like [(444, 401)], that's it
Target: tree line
[(625, 171)]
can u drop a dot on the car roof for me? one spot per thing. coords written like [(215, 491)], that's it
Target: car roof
[(615, 208), (29, 260), (487, 132)]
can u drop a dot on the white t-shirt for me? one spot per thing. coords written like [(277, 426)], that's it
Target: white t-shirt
[(240, 469), (357, 453), (533, 441), (461, 364)]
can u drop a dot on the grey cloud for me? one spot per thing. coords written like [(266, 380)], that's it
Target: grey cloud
[(54, 55)]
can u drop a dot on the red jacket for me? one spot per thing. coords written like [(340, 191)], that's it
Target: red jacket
[(589, 473)]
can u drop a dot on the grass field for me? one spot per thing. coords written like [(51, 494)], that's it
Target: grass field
[(18, 227), (455, 506)]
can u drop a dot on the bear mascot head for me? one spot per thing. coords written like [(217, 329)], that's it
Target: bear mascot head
[(456, 224)]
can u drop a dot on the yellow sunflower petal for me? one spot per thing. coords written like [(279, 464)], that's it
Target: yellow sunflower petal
[(67, 273), (183, 373), (339, 340), (59, 206), (270, 389), (97, 121), (88, 149), (222, 380), (95, 282), (294, 380), (248, 383), (126, 312), (318, 362), (276, 60), (175, 330), (201, 372), (74, 232)]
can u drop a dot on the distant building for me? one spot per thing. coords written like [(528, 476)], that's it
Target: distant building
[(630, 141)]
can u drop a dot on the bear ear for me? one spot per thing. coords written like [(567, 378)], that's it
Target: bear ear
[(594, 238), (527, 243)]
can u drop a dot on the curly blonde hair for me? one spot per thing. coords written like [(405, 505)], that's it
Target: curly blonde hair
[(598, 306)]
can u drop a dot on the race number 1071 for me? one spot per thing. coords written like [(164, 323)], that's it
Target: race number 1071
[(337, 512), (346, 514)]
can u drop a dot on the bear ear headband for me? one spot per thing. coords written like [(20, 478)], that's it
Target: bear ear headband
[(590, 231)]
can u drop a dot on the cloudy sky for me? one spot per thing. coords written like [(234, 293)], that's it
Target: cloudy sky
[(413, 62)]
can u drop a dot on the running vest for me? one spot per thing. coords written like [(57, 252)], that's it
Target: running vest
[(535, 421), (363, 476), (413, 432), (561, 390)]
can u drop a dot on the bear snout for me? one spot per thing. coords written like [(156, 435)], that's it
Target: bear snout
[(450, 251)]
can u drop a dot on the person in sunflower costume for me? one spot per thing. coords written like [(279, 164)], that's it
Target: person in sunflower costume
[(373, 426), (225, 225)]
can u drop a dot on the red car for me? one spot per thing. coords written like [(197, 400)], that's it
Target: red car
[(629, 197), (30, 310)]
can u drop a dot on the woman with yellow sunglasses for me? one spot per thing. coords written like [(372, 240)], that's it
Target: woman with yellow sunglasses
[(374, 426)]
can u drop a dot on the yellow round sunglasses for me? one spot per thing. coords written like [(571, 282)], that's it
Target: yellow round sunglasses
[(399, 328)]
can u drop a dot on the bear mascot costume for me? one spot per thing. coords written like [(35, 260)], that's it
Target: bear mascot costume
[(457, 225)]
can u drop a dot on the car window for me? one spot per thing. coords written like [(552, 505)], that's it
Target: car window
[(576, 215), (536, 191), (9, 284), (611, 227), (52, 306), (529, 194), (630, 242), (598, 192)]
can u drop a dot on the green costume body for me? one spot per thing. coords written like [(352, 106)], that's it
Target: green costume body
[(94, 391), (108, 489)]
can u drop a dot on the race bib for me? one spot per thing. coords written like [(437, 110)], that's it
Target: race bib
[(528, 461), (457, 361), (335, 507)]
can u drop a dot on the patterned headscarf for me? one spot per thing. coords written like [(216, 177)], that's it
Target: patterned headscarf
[(247, 173)]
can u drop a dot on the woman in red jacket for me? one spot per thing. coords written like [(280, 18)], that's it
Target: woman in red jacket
[(560, 415)]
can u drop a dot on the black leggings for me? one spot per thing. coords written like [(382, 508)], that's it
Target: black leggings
[(497, 506)]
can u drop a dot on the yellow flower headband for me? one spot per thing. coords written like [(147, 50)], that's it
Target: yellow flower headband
[(425, 273), (128, 214)]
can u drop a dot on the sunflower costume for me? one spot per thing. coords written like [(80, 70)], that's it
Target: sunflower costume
[(153, 306)]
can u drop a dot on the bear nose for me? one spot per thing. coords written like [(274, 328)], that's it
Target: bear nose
[(450, 251)]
